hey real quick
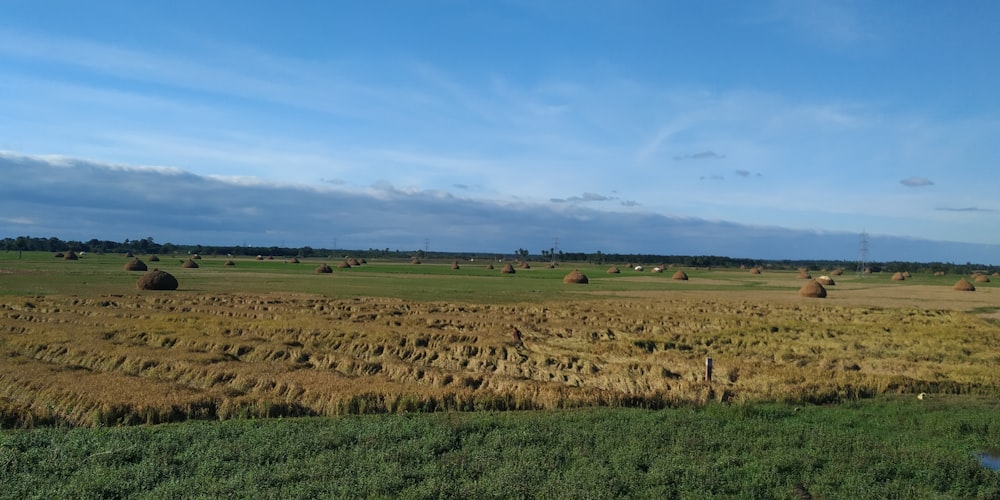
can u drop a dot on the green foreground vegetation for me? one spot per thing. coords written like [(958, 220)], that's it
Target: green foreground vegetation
[(882, 448)]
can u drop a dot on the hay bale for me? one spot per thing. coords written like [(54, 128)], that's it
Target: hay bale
[(963, 285), (129, 255), (813, 289), (657, 269), (135, 265), (59, 255), (825, 281), (995, 275), (906, 274), (229, 263), (343, 265), (804, 275), (70, 255), (898, 276), (454, 265), (614, 270), (576, 277), (837, 272), (157, 280), (295, 260), (153, 258), (189, 264), (259, 257), (489, 266), (637, 269), (680, 275), (270, 257), (353, 262), (524, 265), (414, 261), (755, 270), (363, 260), (939, 273), (507, 269), (982, 278), (324, 269), (552, 265), (196, 257)]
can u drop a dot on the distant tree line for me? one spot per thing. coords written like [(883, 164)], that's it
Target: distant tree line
[(148, 246)]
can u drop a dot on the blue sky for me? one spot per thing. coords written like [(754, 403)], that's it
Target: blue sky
[(817, 118)]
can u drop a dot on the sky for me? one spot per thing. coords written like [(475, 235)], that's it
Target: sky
[(766, 129)]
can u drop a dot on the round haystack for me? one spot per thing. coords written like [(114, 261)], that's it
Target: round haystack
[(135, 265), (552, 265), (637, 268), (906, 274), (755, 270), (229, 263), (939, 273), (196, 257), (576, 277), (157, 280), (343, 265), (982, 278), (414, 261), (507, 269), (70, 255), (270, 257), (963, 285), (295, 260), (189, 264), (259, 257), (825, 281), (837, 272), (129, 255), (898, 276), (524, 265), (454, 265), (59, 255), (813, 289), (995, 275), (153, 258), (657, 269), (680, 275), (353, 262), (614, 270), (363, 260), (489, 266), (804, 275), (324, 269)]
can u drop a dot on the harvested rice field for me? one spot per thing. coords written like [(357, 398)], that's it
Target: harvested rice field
[(80, 345)]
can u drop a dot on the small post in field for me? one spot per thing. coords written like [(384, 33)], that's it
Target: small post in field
[(708, 369)]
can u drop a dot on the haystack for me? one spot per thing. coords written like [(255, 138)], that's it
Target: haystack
[(614, 270), (295, 260), (524, 265), (259, 257), (414, 261), (229, 263), (270, 257), (343, 265), (963, 285), (70, 255), (153, 258), (454, 265), (196, 257), (837, 272), (813, 289), (680, 275), (324, 269), (982, 278), (353, 262), (552, 265), (995, 274), (906, 274), (804, 275), (576, 277), (489, 266), (939, 273), (129, 255), (898, 276), (59, 255), (657, 269), (157, 280), (507, 269), (363, 260), (755, 270), (189, 264), (135, 265), (825, 281)]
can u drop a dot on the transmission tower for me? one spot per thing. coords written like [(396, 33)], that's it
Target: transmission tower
[(862, 253)]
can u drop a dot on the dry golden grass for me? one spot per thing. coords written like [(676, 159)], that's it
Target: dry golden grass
[(148, 357)]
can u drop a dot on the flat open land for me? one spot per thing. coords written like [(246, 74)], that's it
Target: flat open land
[(80, 345)]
